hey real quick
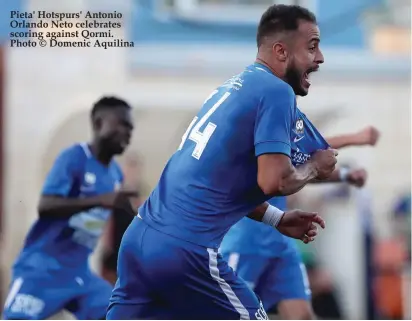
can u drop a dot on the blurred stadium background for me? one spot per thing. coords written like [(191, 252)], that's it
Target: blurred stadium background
[(183, 49)]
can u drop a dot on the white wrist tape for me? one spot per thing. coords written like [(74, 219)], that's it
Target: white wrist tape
[(344, 173), (272, 216)]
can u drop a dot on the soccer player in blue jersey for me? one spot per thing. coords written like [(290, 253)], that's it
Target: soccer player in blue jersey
[(52, 272), (269, 261), (235, 155)]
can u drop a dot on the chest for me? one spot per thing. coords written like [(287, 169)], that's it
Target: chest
[(305, 140), (97, 179)]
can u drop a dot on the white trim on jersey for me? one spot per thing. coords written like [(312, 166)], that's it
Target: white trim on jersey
[(86, 150), (15, 288), (227, 290), (233, 260)]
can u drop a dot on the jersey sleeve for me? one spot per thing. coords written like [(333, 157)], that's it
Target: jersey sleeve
[(273, 121), (65, 170)]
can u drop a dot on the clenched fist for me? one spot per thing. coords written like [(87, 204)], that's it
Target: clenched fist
[(367, 136), (324, 161), (357, 177)]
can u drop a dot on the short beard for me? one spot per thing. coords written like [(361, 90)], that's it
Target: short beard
[(294, 79)]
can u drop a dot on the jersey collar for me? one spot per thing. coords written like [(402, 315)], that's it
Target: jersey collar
[(258, 65)]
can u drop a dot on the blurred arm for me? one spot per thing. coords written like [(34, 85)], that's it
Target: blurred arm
[(355, 177), (336, 177), (367, 136), (342, 141), (55, 200), (61, 207)]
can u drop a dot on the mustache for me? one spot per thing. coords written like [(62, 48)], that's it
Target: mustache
[(312, 69)]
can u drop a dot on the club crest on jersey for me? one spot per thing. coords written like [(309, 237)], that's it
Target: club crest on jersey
[(299, 127), (90, 178)]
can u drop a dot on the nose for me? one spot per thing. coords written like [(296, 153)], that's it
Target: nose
[(319, 57), (128, 134)]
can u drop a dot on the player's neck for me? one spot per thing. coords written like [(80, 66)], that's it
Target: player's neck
[(262, 61), (101, 154)]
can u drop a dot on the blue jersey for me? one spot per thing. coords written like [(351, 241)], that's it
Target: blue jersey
[(55, 243), (211, 180), (251, 237)]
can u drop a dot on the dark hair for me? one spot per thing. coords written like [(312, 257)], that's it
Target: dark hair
[(278, 18), (108, 103)]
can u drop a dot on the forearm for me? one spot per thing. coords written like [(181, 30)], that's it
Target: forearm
[(60, 207), (297, 178), (258, 213), (336, 176), (342, 141)]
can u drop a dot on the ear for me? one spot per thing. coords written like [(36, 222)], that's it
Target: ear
[(280, 51)]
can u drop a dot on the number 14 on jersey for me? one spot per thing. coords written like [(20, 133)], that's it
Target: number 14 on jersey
[(193, 131)]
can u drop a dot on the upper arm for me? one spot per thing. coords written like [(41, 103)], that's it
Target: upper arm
[(273, 122), (62, 175), (272, 137), (272, 170)]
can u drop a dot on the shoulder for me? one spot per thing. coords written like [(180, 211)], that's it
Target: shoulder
[(75, 154), (301, 114), (77, 149), (276, 95), (264, 85), (274, 87)]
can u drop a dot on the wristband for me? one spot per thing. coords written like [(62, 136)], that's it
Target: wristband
[(272, 216), (344, 173)]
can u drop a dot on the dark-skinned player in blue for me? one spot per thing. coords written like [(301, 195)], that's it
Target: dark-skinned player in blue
[(81, 190), (234, 156)]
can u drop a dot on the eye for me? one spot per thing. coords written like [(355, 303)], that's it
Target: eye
[(313, 48)]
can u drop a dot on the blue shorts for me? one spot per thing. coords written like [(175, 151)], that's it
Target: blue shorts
[(274, 279), (163, 277), (34, 296)]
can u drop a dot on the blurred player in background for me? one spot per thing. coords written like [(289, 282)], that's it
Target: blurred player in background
[(269, 261), (238, 152), (52, 271)]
